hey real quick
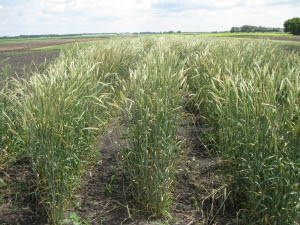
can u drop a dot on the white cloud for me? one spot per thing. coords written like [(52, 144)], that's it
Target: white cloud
[(77, 16)]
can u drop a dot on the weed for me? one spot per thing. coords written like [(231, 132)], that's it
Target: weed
[(74, 219), (2, 183), (195, 202), (109, 187)]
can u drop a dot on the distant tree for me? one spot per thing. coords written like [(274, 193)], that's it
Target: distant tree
[(247, 28), (235, 29), (292, 25), (178, 32)]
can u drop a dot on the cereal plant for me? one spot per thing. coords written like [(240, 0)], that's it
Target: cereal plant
[(150, 157)]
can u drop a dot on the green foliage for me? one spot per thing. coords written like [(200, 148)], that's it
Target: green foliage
[(61, 112), (292, 26), (10, 143), (4, 84), (249, 92), (74, 219), (150, 158), (109, 186), (249, 28)]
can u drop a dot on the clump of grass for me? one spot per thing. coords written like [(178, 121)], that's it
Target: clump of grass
[(59, 110), (4, 88), (63, 110), (249, 92), (10, 143), (150, 157)]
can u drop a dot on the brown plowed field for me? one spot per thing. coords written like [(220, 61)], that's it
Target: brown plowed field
[(23, 46), (26, 62)]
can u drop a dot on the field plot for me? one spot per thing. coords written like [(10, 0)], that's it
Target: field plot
[(153, 130), (24, 55), (288, 41), (26, 62), (295, 39), (9, 45)]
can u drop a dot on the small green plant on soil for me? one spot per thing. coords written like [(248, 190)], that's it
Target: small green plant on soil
[(110, 186), (2, 183), (195, 203), (74, 219)]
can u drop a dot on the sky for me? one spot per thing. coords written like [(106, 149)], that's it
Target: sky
[(109, 16)]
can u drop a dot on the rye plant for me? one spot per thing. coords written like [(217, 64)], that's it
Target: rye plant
[(150, 157), (4, 136), (63, 110), (10, 143), (4, 88), (249, 93)]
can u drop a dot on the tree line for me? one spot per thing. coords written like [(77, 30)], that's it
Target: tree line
[(250, 28)]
